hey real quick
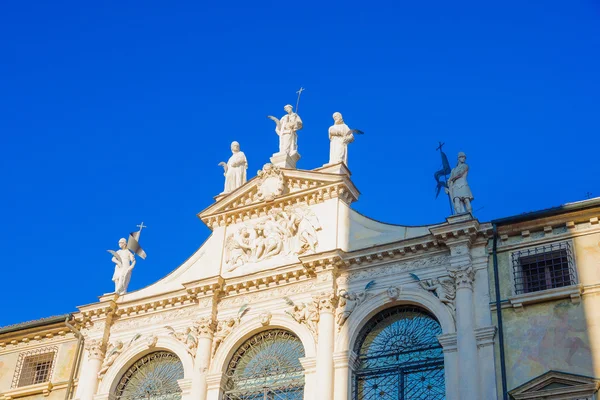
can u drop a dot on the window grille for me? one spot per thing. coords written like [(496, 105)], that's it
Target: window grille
[(34, 367), (545, 267)]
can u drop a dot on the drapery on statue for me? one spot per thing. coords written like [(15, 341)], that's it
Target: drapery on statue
[(458, 187), (235, 169), (124, 259), (340, 136), (287, 128)]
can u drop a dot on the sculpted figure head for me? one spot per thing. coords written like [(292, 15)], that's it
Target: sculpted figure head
[(235, 147), (288, 108), (118, 345), (122, 243), (337, 117), (462, 157)]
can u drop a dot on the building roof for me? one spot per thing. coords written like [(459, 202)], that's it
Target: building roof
[(549, 212), (34, 324)]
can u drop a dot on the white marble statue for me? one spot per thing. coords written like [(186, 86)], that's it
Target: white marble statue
[(235, 169), (287, 128), (124, 262), (340, 136), (458, 187)]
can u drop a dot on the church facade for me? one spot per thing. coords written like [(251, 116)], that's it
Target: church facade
[(295, 295)]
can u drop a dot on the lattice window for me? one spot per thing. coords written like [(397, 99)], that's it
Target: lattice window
[(400, 357), (153, 376), (545, 267), (34, 366), (267, 367)]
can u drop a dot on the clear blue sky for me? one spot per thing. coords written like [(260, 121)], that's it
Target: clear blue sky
[(113, 113)]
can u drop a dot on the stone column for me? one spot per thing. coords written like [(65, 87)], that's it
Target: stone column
[(448, 342), (326, 328), (88, 380), (344, 364), (205, 328), (487, 366), (467, 344), (309, 364), (215, 386)]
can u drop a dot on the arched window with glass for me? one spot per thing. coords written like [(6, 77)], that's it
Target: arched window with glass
[(399, 357), (152, 377), (266, 366)]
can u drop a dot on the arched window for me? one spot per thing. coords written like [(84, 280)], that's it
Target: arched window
[(152, 377), (267, 366), (400, 357)]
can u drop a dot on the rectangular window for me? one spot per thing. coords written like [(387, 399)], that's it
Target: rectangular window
[(545, 267), (34, 367)]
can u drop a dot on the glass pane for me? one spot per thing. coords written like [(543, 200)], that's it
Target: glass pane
[(153, 377)]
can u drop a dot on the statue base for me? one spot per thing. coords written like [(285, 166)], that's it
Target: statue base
[(284, 160), (339, 168)]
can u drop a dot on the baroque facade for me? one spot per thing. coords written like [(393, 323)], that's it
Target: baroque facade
[(297, 296)]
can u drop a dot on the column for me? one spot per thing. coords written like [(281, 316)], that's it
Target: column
[(205, 328), (214, 386), (487, 366), (88, 380), (467, 344), (344, 364), (448, 342), (309, 365), (326, 328)]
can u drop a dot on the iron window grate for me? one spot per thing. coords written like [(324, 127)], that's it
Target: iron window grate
[(545, 267), (34, 366)]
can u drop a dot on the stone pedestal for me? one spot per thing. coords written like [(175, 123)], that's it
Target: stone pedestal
[(339, 168), (284, 160)]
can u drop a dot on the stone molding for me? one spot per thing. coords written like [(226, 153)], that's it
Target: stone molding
[(574, 292), (309, 364), (449, 342), (485, 336), (95, 349), (568, 387)]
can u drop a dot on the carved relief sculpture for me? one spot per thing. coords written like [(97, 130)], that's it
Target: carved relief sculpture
[(265, 318), (281, 232), (287, 128), (226, 326), (188, 338), (443, 289), (458, 187), (113, 352), (235, 169), (305, 313), (348, 302)]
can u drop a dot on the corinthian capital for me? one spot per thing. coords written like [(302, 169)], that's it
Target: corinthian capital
[(95, 349), (206, 327), (463, 277), (327, 302)]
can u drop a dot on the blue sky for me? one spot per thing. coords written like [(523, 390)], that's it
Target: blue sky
[(113, 113)]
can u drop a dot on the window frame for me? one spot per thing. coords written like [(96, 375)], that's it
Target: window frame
[(21, 366)]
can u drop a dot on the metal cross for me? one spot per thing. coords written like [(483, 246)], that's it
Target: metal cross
[(141, 226), (298, 101), (440, 146)]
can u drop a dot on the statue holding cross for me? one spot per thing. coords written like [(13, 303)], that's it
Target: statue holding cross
[(287, 128), (124, 259)]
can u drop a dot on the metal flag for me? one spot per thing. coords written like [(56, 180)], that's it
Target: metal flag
[(442, 172), (133, 243)]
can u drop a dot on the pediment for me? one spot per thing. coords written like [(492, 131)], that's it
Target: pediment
[(555, 385), (278, 187)]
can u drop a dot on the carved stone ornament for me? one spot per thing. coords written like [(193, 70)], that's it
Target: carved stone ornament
[(113, 351), (327, 302), (306, 314), (443, 289), (463, 277), (151, 341), (271, 183), (393, 293), (187, 337), (348, 302), (95, 349), (281, 233), (205, 327), (224, 328), (265, 318)]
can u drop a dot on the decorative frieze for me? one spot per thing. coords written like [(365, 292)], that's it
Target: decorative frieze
[(155, 319)]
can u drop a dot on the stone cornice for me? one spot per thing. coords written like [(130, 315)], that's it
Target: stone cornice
[(37, 337), (461, 228), (302, 187)]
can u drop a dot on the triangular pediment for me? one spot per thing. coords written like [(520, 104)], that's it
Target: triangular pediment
[(277, 187), (555, 385)]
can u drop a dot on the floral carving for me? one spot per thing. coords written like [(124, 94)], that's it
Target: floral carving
[(95, 349), (463, 277)]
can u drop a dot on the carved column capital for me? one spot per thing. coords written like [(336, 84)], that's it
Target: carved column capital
[(206, 327), (95, 349), (463, 277), (327, 302)]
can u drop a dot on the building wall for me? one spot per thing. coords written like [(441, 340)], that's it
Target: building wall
[(560, 329)]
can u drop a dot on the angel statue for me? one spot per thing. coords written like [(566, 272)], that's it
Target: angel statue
[(348, 302), (340, 135), (124, 262), (226, 326), (113, 352), (443, 289), (235, 169), (287, 128)]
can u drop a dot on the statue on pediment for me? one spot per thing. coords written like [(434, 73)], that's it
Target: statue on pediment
[(287, 128), (124, 259), (340, 136), (235, 169), (458, 187)]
